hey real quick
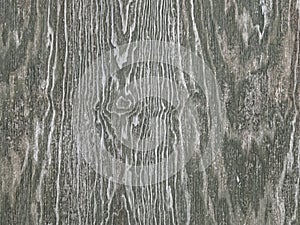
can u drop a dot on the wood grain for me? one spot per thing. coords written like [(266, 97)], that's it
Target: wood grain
[(252, 49)]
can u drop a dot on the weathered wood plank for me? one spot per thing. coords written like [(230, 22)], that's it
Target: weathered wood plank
[(57, 93)]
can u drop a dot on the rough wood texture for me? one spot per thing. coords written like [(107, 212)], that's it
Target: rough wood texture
[(252, 49)]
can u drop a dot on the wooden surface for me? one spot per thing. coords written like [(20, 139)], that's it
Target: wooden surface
[(252, 49)]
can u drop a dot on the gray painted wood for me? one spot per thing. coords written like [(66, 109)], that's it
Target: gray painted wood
[(252, 50)]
